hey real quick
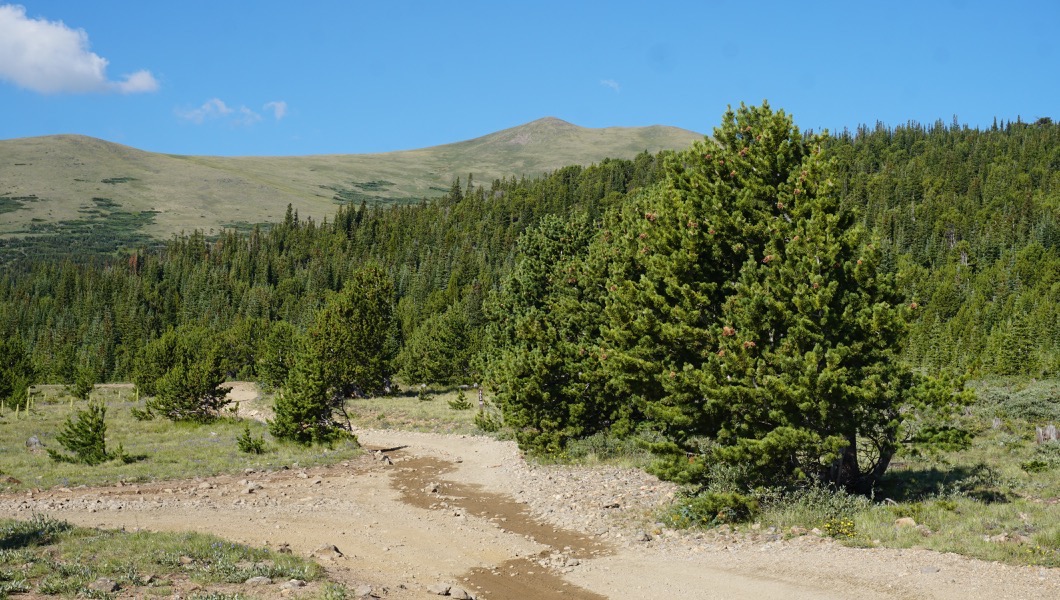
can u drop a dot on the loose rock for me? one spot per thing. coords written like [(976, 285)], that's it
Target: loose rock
[(439, 589), (259, 580), (103, 584), (327, 552)]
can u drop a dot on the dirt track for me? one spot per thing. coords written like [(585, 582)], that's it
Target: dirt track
[(468, 511)]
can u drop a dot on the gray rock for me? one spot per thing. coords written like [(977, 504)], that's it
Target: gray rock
[(34, 445), (460, 594), (259, 580), (929, 570), (104, 585), (327, 552), (362, 591), (642, 536), (439, 589), (293, 584), (252, 487)]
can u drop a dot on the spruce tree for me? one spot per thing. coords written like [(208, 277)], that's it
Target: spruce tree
[(86, 438), (16, 372), (542, 350), (304, 408), (749, 319), (349, 335)]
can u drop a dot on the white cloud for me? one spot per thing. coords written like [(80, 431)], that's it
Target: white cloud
[(211, 109), (140, 81), (245, 116), (215, 108), (278, 108), (611, 83), (50, 58)]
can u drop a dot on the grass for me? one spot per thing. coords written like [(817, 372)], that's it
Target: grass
[(407, 412), (159, 448), (50, 557)]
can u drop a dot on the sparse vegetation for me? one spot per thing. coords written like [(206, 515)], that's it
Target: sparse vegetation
[(155, 449), (49, 557)]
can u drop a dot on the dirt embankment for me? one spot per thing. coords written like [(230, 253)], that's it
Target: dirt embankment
[(468, 512)]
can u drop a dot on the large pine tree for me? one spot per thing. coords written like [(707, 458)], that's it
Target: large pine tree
[(749, 318)]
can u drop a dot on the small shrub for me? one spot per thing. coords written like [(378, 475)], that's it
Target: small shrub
[(142, 414), (709, 509), (423, 396), (840, 528), (1035, 465), (487, 422), (86, 438), (335, 591), (249, 444), (461, 402)]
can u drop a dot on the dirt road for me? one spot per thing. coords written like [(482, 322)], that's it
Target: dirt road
[(469, 512)]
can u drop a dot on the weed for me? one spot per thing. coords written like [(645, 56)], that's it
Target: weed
[(335, 591)]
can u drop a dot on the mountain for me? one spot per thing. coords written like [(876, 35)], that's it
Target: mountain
[(59, 183)]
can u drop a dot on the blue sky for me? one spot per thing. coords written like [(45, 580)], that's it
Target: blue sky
[(284, 78)]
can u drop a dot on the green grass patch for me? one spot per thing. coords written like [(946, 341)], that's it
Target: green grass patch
[(117, 180), (157, 449), (408, 412), (49, 557)]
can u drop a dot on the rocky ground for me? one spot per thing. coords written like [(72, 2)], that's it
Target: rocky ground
[(465, 516)]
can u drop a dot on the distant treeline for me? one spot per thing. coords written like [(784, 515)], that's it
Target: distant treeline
[(968, 220)]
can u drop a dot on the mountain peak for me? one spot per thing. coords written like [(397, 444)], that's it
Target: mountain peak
[(552, 121)]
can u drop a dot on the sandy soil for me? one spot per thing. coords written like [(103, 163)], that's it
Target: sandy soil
[(469, 512)]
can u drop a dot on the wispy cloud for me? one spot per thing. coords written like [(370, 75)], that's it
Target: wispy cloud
[(50, 58), (213, 108), (611, 83), (278, 108), (216, 109)]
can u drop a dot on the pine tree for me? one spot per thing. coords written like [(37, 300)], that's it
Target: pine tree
[(543, 340), (304, 409), (86, 438), (192, 389), (349, 335), (16, 372), (749, 319)]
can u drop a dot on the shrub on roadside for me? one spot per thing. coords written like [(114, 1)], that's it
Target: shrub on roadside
[(710, 508)]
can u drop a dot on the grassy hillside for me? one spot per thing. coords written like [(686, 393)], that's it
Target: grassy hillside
[(67, 184)]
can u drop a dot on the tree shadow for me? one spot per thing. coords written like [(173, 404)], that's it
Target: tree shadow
[(914, 483), (38, 531)]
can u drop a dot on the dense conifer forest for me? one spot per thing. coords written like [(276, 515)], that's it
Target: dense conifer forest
[(963, 227)]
